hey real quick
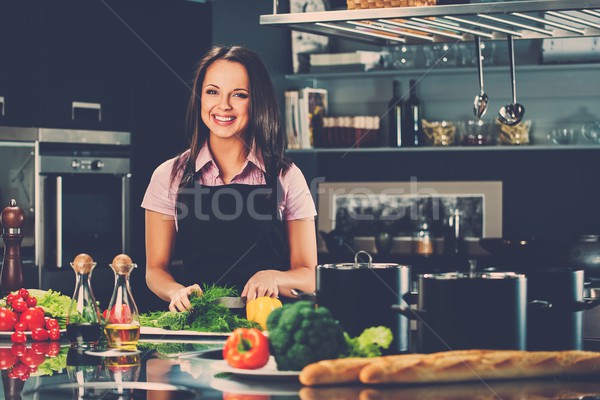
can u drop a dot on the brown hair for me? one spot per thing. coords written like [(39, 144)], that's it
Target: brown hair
[(264, 127)]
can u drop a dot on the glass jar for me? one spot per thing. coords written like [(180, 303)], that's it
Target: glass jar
[(423, 239), (123, 320), (83, 317)]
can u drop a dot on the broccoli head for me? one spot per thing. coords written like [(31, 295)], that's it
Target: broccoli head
[(300, 335)]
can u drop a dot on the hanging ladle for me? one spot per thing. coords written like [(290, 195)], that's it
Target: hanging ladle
[(511, 114), (480, 103)]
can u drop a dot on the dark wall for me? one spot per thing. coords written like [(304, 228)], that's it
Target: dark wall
[(551, 194)]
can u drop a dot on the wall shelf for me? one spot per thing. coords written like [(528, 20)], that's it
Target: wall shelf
[(444, 71), (537, 19), (574, 147)]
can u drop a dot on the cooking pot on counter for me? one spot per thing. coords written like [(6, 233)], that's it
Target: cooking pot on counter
[(470, 311), (360, 295)]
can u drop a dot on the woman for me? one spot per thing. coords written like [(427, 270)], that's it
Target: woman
[(241, 213)]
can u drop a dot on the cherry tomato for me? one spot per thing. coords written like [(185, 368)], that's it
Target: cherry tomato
[(53, 349), (54, 334), (51, 323), (12, 375), (7, 359), (18, 349), (19, 305), (31, 359), (11, 297), (31, 302), (40, 347), (21, 326), (40, 334), (25, 375), (120, 315), (18, 337), (7, 319), (33, 370), (24, 293), (33, 319)]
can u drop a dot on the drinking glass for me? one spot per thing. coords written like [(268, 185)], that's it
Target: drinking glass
[(562, 135)]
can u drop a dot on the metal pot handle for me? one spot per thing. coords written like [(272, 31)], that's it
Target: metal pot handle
[(302, 295), (539, 305), (410, 313), (586, 304), (411, 297)]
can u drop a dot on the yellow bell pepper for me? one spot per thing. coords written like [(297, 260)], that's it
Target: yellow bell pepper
[(258, 310)]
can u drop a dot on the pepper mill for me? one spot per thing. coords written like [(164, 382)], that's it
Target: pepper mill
[(11, 278)]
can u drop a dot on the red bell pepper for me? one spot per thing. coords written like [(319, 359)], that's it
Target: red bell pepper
[(246, 349)]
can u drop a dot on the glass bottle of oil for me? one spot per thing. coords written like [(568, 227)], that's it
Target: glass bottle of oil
[(122, 318), (83, 317)]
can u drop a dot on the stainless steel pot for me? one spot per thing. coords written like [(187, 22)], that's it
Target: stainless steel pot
[(361, 294), (470, 311)]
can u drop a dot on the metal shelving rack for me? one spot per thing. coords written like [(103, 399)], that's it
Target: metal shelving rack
[(540, 19)]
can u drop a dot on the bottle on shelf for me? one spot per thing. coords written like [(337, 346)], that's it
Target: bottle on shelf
[(397, 137), (412, 114), (423, 237)]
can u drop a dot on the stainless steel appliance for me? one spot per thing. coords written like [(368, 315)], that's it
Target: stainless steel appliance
[(74, 186)]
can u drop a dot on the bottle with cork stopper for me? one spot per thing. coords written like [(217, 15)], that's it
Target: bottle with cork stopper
[(83, 316), (11, 277), (123, 320)]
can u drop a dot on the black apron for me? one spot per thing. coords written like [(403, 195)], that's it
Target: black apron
[(228, 233)]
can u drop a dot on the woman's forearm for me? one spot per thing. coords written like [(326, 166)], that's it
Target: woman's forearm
[(162, 283), (302, 278)]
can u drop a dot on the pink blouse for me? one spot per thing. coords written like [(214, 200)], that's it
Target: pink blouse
[(296, 201)]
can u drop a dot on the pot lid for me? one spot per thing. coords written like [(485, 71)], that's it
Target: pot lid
[(361, 265), (474, 275)]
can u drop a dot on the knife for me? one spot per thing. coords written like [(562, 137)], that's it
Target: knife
[(232, 302)]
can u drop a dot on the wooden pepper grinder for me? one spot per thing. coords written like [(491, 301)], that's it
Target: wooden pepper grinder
[(11, 278)]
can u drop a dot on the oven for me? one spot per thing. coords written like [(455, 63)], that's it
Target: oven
[(74, 186)]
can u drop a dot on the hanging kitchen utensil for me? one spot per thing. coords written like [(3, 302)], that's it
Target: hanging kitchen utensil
[(512, 114), (480, 104)]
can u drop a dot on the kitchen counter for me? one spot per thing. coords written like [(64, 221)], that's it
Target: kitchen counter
[(156, 375)]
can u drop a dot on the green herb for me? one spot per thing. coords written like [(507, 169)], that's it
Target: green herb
[(206, 314)]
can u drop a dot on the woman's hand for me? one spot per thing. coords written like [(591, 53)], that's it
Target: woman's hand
[(263, 283), (179, 298)]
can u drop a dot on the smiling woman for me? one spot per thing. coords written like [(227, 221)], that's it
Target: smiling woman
[(240, 212)]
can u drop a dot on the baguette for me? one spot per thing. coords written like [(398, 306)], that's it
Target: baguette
[(469, 365), (342, 370)]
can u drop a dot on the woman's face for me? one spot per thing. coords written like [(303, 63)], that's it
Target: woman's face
[(226, 99)]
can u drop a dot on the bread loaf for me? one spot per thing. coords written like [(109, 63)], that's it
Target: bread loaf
[(343, 370), (469, 365)]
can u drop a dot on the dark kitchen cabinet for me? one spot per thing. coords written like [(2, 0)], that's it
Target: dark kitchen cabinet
[(85, 75), (19, 62)]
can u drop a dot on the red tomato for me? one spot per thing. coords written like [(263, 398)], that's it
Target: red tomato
[(53, 349), (11, 374), (18, 349), (54, 334), (31, 359), (33, 370), (7, 319), (11, 297), (20, 326), (40, 334), (7, 359), (24, 293), (120, 315), (18, 337), (20, 369), (25, 375), (33, 319), (19, 305), (31, 302), (40, 347), (51, 323)]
